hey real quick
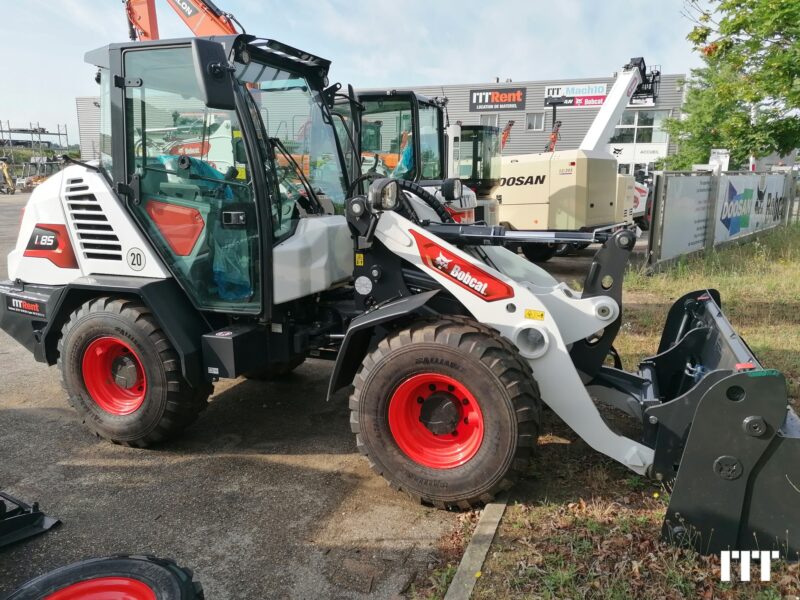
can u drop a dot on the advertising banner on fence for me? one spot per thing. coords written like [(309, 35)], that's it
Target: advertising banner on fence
[(748, 203), (770, 203), (736, 201), (686, 215)]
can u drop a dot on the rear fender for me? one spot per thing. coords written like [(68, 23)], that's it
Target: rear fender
[(358, 338), (181, 321)]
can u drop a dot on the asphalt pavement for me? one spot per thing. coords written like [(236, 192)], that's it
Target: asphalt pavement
[(265, 496)]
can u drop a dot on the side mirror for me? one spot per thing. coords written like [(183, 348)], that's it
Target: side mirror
[(452, 189), (213, 74)]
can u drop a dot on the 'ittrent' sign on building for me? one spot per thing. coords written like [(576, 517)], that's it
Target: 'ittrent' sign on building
[(497, 99)]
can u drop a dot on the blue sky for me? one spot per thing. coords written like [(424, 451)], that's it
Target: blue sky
[(372, 43)]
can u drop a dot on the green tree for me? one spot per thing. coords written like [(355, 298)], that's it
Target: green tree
[(746, 97)]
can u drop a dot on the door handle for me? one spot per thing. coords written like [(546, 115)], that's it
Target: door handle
[(234, 219)]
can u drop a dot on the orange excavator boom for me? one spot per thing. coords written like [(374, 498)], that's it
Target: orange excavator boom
[(505, 134), (142, 19), (203, 17)]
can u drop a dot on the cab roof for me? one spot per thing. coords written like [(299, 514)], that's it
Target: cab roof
[(279, 51)]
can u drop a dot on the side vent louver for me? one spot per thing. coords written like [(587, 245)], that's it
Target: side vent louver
[(97, 238)]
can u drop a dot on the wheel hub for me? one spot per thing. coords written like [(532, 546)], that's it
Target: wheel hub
[(113, 375), (440, 413), (123, 368)]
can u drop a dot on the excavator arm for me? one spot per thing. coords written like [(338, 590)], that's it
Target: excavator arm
[(142, 20), (203, 17)]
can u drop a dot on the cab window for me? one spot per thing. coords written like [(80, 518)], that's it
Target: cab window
[(196, 197)]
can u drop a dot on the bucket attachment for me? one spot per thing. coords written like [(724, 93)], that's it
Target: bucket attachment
[(738, 484), (723, 432)]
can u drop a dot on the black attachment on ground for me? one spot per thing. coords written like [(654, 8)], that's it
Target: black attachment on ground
[(19, 521)]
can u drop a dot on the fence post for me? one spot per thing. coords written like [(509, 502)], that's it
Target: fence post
[(657, 221), (711, 220)]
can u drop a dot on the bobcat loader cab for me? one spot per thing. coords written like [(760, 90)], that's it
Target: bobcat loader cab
[(199, 213), (149, 276)]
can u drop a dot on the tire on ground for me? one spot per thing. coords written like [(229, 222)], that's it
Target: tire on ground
[(539, 252), (120, 576), (495, 376), (169, 404), (564, 249)]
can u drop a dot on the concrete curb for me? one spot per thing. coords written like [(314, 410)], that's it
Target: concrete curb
[(471, 563)]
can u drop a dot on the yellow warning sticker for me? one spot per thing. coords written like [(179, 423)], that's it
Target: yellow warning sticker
[(536, 315), (359, 259)]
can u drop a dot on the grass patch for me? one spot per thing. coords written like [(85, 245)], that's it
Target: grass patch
[(582, 526), (760, 286)]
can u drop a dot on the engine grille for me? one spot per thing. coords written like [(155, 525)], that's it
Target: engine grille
[(96, 235)]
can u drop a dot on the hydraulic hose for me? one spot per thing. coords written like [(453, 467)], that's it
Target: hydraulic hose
[(427, 198)]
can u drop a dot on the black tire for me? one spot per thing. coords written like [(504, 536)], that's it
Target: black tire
[(276, 370), (169, 403), (490, 368), (539, 252), (564, 250), (164, 578)]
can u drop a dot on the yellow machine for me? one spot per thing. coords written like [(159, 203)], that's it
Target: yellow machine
[(565, 190), (7, 182), (574, 190), (626, 190)]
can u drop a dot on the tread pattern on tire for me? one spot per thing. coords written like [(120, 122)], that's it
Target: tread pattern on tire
[(95, 567), (502, 358), (184, 403)]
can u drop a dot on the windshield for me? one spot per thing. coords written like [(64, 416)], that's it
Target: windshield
[(386, 144), (295, 114), (430, 129), (478, 153)]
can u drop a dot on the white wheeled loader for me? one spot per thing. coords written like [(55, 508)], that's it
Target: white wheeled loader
[(150, 275)]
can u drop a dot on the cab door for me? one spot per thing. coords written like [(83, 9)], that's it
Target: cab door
[(195, 196)]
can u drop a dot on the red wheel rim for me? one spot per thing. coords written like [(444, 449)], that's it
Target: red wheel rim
[(101, 362), (105, 588), (420, 444)]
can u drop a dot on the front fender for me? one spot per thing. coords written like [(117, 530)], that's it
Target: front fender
[(359, 335)]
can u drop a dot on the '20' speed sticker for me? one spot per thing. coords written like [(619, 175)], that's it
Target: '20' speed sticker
[(136, 259)]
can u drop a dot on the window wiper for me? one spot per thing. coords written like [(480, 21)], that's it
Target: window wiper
[(277, 143)]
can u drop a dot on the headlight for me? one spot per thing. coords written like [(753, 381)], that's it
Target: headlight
[(383, 194)]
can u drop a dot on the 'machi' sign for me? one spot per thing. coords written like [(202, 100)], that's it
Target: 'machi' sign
[(497, 99)]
